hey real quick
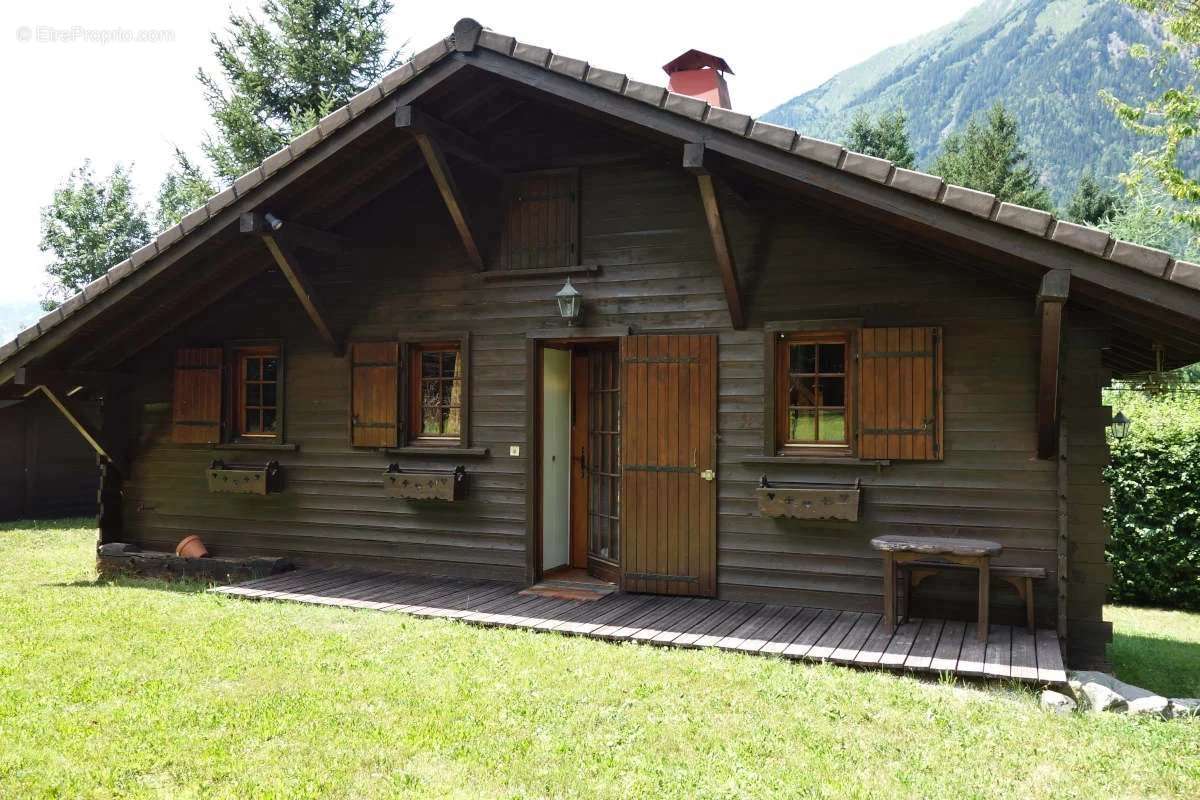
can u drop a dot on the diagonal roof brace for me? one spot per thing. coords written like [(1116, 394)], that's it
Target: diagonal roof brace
[(694, 162)]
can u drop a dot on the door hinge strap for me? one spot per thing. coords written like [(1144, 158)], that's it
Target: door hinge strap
[(657, 468)]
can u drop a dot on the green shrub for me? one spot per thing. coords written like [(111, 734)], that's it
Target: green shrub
[(1155, 509)]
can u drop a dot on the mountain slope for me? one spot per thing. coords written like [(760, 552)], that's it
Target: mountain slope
[(1045, 59)]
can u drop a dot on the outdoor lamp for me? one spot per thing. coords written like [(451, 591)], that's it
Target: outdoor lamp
[(1120, 426), (570, 302)]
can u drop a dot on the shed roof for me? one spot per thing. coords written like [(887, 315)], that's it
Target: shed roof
[(469, 37)]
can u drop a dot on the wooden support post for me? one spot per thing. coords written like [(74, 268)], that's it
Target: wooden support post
[(693, 161), (105, 449), (420, 126), (1063, 544), (305, 293), (1051, 298)]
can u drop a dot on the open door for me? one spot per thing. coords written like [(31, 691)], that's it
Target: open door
[(669, 490)]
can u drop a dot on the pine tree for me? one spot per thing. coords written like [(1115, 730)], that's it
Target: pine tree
[(282, 73), (1092, 203), (988, 156), (885, 137), (89, 226), (184, 188)]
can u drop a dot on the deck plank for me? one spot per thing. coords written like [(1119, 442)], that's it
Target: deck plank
[(998, 656), (901, 643), (1049, 658), (704, 609), (971, 655), (729, 625), (768, 630), (679, 613), (833, 637), (657, 612), (1024, 655), (748, 628), (719, 612), (945, 657), (875, 646), (790, 630), (847, 651), (921, 654), (805, 640)]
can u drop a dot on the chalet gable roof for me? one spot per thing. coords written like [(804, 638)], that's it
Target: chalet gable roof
[(1063, 244)]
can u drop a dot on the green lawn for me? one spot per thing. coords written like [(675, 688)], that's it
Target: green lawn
[(143, 690)]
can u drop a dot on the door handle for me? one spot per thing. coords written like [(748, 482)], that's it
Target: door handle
[(708, 475)]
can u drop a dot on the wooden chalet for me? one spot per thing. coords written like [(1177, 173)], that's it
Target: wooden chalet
[(355, 357)]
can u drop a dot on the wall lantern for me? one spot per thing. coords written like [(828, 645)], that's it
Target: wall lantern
[(1120, 426), (570, 302)]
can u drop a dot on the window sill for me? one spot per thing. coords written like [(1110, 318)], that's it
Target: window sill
[(447, 452), (271, 447), (840, 461), (533, 274)]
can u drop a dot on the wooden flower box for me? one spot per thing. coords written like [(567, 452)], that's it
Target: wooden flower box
[(444, 485), (811, 502), (243, 479)]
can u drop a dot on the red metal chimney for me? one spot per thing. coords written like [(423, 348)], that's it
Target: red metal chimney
[(700, 75)]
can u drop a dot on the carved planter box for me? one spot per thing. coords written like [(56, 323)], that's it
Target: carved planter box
[(810, 502), (414, 485), (243, 479)]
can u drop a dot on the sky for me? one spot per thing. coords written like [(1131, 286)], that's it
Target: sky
[(116, 81)]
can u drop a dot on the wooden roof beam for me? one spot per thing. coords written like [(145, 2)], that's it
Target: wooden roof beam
[(1056, 286), (693, 162), (450, 139), (297, 278), (60, 398), (422, 130)]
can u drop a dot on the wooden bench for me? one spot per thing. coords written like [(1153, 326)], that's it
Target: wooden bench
[(930, 551), (1020, 578)]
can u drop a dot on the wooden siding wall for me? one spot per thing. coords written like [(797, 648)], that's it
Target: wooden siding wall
[(46, 468), (644, 225)]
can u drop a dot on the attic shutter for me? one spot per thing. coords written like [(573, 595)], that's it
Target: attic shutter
[(541, 226), (374, 394), (900, 396), (196, 403)]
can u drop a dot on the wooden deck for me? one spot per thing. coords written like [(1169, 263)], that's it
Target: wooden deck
[(843, 637)]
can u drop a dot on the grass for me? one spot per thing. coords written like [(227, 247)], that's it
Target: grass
[(1157, 650), (126, 689)]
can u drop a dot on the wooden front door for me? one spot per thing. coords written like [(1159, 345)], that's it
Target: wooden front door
[(669, 489)]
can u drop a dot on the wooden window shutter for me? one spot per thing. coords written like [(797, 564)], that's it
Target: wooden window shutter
[(541, 226), (196, 401), (374, 394), (900, 394)]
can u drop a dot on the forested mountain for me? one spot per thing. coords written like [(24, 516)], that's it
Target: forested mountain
[(1046, 60)]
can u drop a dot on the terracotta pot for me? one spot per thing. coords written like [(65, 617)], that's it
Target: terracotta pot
[(191, 547)]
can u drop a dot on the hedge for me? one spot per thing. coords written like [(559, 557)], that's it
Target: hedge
[(1154, 514)]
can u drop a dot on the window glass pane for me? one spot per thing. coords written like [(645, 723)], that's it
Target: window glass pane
[(270, 369), (450, 364), (253, 366), (832, 391), (831, 357), (253, 394), (253, 421), (268, 420), (430, 394), (431, 365), (802, 393), (269, 394), (802, 357), (802, 424), (431, 421), (833, 425)]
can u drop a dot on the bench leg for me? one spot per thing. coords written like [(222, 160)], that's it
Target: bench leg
[(984, 598), (889, 592), (1030, 622)]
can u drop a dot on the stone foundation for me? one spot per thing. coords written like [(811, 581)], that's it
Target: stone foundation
[(116, 559)]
